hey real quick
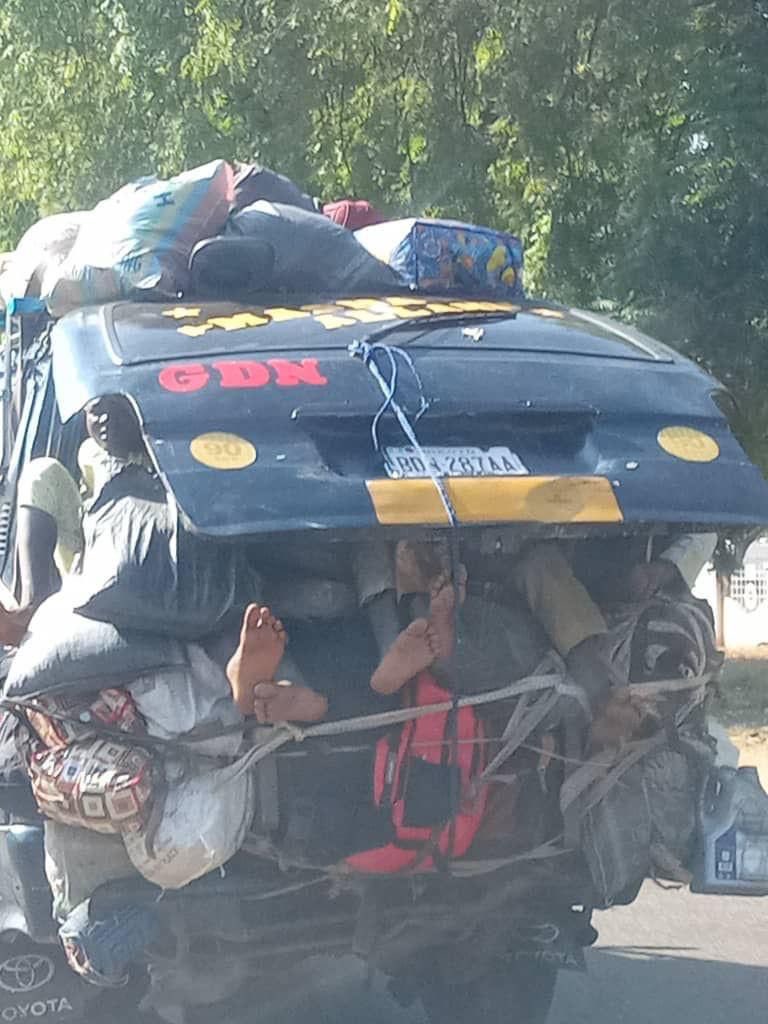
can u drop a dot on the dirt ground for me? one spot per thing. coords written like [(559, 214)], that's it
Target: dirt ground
[(753, 750), (743, 706)]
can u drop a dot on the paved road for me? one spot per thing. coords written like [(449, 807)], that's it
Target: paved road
[(671, 958)]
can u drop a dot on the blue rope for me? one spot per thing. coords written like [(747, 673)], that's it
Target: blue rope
[(368, 353)]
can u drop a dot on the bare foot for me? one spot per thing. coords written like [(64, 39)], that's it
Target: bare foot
[(285, 702), (442, 607), (261, 648), (412, 652)]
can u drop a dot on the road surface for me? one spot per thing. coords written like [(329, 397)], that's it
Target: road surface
[(671, 958)]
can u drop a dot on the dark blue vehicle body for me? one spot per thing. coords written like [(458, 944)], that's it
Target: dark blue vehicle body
[(571, 394), (260, 422)]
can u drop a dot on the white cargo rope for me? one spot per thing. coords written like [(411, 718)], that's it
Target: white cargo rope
[(605, 776), (284, 733)]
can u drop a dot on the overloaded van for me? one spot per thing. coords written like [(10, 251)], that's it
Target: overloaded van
[(289, 437)]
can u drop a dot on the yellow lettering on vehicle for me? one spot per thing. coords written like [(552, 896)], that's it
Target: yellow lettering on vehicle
[(317, 307), (181, 312), (331, 321), (344, 313), (238, 321), (403, 312), (444, 307), (195, 330), (281, 313), (369, 311), (478, 306), (406, 307)]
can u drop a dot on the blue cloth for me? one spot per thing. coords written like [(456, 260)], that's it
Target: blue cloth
[(101, 951)]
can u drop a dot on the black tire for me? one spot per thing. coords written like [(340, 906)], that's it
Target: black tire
[(517, 994)]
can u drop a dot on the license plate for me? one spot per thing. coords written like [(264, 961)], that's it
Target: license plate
[(452, 461)]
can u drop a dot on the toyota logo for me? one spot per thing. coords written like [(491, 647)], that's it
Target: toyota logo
[(26, 973)]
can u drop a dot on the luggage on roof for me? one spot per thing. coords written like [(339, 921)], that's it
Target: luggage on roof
[(311, 252), (254, 182), (139, 240), (43, 248), (447, 256), (353, 213)]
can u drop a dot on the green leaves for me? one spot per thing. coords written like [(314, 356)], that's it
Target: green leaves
[(625, 144)]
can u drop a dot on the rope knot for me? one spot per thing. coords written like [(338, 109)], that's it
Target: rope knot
[(297, 734)]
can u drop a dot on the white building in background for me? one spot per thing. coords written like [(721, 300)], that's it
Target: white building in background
[(745, 608)]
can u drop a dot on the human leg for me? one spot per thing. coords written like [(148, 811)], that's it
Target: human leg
[(373, 569), (556, 598)]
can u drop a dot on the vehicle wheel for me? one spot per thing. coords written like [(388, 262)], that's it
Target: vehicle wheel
[(517, 994)]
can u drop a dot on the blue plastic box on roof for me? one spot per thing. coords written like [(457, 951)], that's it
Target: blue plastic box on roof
[(448, 256)]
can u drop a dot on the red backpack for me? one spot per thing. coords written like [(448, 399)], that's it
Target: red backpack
[(425, 774)]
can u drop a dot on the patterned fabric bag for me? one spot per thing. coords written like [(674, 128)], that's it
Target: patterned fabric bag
[(64, 720), (103, 785)]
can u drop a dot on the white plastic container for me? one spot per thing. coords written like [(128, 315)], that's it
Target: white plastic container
[(733, 819)]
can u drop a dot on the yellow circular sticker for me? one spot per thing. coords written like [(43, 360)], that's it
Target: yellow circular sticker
[(688, 444), (223, 451)]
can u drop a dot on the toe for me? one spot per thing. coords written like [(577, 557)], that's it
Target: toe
[(439, 583), (433, 640), (264, 691), (261, 711), (252, 618), (266, 618), (419, 627)]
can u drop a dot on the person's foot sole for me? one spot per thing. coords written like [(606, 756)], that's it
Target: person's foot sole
[(285, 702), (258, 655), (412, 652), (442, 612)]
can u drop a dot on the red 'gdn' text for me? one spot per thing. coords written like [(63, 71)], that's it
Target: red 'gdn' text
[(184, 378)]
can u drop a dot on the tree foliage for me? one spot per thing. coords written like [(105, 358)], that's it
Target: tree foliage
[(627, 144)]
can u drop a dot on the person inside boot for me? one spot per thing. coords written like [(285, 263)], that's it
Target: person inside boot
[(429, 597), (557, 600), (578, 628), (254, 668), (49, 507)]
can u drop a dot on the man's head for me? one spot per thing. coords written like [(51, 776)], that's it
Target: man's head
[(112, 423)]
